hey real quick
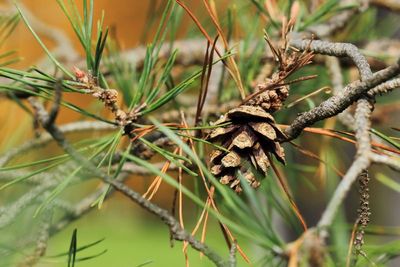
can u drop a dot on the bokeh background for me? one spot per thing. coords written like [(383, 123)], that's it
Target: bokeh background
[(132, 236)]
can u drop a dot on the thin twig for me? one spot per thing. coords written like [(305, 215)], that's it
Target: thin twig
[(232, 254), (389, 161), (336, 104), (384, 87), (42, 239), (335, 71), (9, 213)]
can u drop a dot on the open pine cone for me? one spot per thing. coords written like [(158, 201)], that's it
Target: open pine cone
[(251, 137)]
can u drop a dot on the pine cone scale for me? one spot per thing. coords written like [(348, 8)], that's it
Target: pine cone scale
[(220, 132), (245, 111), (261, 158), (244, 139), (264, 129), (232, 159)]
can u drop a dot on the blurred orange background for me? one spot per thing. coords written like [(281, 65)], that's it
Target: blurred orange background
[(127, 20), (127, 17)]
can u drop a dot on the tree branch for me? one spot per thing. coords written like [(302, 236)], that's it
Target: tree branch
[(335, 104), (177, 231)]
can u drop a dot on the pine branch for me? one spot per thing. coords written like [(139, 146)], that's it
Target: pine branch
[(177, 232)]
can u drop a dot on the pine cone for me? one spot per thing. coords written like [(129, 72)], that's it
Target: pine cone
[(270, 100), (251, 136)]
